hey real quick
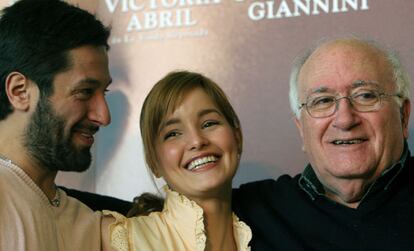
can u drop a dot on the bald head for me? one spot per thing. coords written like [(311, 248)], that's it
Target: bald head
[(356, 55)]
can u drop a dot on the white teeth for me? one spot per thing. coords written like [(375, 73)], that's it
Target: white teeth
[(195, 164), (86, 135), (347, 142)]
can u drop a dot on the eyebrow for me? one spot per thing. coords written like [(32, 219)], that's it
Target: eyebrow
[(170, 122), (207, 111), (355, 84), (199, 114), (360, 83), (320, 89), (93, 81)]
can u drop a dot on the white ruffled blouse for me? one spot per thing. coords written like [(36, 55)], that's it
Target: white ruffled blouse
[(180, 226)]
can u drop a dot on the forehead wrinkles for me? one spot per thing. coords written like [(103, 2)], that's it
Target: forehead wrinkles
[(343, 61)]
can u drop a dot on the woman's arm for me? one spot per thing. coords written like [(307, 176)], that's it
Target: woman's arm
[(106, 240)]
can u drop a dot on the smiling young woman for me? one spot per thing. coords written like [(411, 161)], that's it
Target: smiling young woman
[(192, 139)]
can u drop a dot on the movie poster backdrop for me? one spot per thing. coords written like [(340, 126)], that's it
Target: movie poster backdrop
[(247, 47)]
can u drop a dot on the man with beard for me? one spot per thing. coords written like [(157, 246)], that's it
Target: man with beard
[(54, 75)]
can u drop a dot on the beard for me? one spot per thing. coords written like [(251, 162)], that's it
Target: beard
[(47, 143)]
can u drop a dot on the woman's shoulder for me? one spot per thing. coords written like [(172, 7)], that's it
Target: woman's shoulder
[(136, 223), (134, 233), (114, 231)]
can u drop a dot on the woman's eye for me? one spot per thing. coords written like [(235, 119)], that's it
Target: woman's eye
[(171, 135), (210, 124)]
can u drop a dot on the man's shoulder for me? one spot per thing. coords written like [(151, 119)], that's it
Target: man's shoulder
[(282, 182), (266, 189), (9, 180), (98, 202), (410, 160), (4, 171)]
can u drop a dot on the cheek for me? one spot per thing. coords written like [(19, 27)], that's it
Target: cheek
[(71, 115), (386, 123), (169, 155), (390, 128), (313, 133), (225, 137), (227, 141), (311, 130)]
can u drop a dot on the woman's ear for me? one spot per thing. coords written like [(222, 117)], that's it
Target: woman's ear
[(18, 91)]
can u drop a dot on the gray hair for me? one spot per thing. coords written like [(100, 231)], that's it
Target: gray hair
[(400, 75)]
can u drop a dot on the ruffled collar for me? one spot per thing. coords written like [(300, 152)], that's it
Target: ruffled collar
[(189, 217)]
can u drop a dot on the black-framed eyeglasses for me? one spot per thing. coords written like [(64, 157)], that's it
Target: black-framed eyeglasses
[(322, 105)]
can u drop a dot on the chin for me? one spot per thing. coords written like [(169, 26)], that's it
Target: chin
[(353, 173)]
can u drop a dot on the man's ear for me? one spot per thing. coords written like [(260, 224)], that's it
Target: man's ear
[(298, 124), (17, 90), (405, 116)]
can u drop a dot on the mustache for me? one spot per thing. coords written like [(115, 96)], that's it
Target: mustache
[(88, 128)]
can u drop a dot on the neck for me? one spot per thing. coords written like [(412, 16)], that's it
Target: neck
[(348, 193), (219, 222), (12, 134), (41, 176)]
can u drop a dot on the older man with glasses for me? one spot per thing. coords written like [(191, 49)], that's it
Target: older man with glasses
[(352, 107)]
